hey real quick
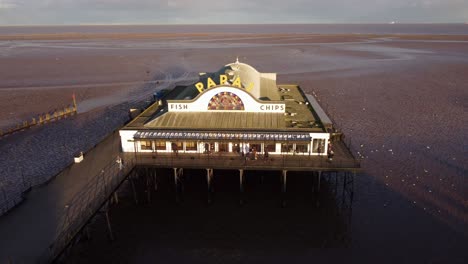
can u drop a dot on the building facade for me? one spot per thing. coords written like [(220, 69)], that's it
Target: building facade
[(235, 111)]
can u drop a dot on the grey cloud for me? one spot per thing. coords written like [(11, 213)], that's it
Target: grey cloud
[(229, 11)]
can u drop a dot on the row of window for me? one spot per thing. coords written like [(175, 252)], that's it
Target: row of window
[(318, 146)]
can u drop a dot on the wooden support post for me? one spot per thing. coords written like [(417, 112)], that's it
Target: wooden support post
[(209, 179), (148, 186), (176, 184), (109, 228), (181, 179), (345, 178), (116, 197), (134, 191), (88, 234), (241, 185), (352, 186), (336, 182), (319, 175), (317, 200), (284, 181), (155, 180)]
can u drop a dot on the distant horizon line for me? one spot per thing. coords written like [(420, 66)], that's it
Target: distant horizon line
[(233, 24)]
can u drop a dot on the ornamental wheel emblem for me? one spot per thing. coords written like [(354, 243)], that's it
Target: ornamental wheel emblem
[(225, 101)]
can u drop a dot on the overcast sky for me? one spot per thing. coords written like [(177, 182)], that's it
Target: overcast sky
[(63, 12)]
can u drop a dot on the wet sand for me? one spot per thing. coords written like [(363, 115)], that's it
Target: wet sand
[(402, 100)]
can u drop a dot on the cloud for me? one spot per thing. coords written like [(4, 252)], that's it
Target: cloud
[(230, 11), (7, 4)]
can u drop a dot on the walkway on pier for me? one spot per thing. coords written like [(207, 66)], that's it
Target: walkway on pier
[(28, 230), (343, 160)]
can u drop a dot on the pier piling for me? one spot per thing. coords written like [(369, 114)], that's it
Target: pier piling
[(284, 181), (148, 186), (209, 179), (317, 193), (241, 185), (132, 181), (178, 172), (109, 228)]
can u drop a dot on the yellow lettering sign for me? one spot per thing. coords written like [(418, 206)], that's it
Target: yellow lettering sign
[(211, 83), (222, 79), (249, 87), (237, 82), (199, 86)]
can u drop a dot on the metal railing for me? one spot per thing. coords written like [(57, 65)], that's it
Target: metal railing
[(234, 162), (85, 204)]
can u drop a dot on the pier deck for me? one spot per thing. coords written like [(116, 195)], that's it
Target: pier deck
[(342, 161), (28, 230)]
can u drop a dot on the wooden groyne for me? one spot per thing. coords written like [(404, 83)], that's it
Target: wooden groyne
[(41, 119)]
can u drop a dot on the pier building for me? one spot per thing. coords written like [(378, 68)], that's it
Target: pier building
[(237, 112), (236, 119)]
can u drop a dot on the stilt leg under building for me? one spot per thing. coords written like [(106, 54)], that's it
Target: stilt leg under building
[(283, 189), (88, 234), (116, 197), (132, 181), (178, 172), (155, 180), (343, 199), (241, 185), (148, 186), (109, 228), (209, 180), (317, 200), (352, 186)]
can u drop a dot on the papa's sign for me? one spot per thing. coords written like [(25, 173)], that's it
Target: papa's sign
[(222, 80)]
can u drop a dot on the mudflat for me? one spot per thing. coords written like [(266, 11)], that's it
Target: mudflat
[(401, 98)]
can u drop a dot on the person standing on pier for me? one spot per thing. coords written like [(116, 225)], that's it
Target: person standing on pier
[(120, 162)]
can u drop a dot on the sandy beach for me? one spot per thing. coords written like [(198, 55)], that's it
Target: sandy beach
[(402, 99)]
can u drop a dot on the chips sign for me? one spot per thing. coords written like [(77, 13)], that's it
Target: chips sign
[(222, 80)]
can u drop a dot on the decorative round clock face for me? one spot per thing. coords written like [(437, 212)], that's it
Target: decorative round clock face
[(225, 101)]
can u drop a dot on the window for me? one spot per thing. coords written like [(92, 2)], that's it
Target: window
[(286, 147), (191, 146), (318, 145), (146, 145), (301, 148), (176, 146), (160, 145), (223, 147), (270, 148), (257, 147)]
